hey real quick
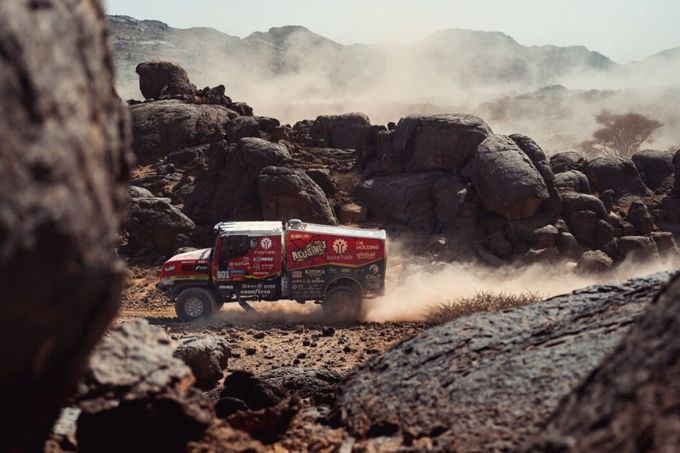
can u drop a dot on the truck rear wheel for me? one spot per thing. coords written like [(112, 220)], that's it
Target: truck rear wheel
[(194, 304), (342, 304)]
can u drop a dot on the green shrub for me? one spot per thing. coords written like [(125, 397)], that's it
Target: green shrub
[(451, 309)]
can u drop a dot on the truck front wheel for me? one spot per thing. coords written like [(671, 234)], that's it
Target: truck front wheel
[(342, 304), (193, 304)]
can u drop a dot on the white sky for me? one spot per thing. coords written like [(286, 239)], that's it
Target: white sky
[(624, 30)]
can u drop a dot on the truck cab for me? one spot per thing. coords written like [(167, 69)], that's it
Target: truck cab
[(337, 267)]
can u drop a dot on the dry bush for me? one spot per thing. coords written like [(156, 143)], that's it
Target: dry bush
[(482, 301)]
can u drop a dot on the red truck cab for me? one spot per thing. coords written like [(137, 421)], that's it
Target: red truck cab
[(335, 266)]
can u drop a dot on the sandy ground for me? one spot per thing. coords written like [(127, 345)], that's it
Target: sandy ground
[(279, 334)]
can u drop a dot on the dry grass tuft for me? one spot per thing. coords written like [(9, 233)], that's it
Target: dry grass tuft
[(482, 301)]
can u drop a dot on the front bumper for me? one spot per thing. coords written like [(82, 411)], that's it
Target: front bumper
[(165, 285)]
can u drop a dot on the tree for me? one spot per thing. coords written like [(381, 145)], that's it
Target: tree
[(621, 134)]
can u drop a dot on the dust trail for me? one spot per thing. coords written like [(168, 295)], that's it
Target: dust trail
[(413, 285)]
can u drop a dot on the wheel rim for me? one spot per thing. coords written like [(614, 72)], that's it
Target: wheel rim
[(193, 307)]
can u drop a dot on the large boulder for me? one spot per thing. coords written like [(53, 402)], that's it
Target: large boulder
[(421, 201), (207, 357), (162, 127), (573, 202), (615, 173), (134, 385), (656, 167), (64, 153), (437, 142), (506, 179), (676, 172), (288, 193), (155, 76), (488, 381), (630, 402), (572, 181), (156, 225), (229, 191), (553, 204), (567, 161), (339, 131), (640, 217)]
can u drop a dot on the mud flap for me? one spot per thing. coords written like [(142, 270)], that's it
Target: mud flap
[(246, 306)]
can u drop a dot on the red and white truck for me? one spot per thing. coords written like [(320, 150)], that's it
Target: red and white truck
[(268, 261)]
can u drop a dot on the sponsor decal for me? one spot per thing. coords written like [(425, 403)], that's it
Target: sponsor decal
[(362, 246), (226, 286), (314, 248), (365, 255), (315, 272), (296, 274), (374, 269), (237, 271), (263, 259), (340, 246), (201, 268), (253, 243), (266, 243)]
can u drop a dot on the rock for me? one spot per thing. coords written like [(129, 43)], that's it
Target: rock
[(459, 385), (628, 403), (573, 202), (671, 209), (666, 244), (163, 127), (676, 172), (229, 192), (352, 214), (139, 192), (656, 168), (328, 331), (545, 256), (572, 181), (498, 244), (553, 204), (253, 391), (252, 126), (339, 131), (318, 384), (506, 180), (582, 225), (568, 246), (594, 262), (640, 218), (133, 384), (412, 200), (206, 356), (638, 248), (607, 197), (437, 142), (157, 225), (155, 76), (64, 148), (287, 193), (567, 161), (615, 173), (322, 177), (545, 237)]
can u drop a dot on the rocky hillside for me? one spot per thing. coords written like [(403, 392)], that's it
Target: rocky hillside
[(445, 184)]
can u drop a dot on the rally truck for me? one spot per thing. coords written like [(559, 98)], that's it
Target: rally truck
[(337, 267)]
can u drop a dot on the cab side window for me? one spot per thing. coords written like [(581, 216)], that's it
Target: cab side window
[(234, 247)]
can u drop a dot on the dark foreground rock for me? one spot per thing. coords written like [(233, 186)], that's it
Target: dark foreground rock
[(207, 357), (630, 403), (488, 381), (135, 396), (64, 165)]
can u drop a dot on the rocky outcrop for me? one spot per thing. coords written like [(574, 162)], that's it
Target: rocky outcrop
[(656, 168), (506, 179), (615, 173), (630, 402), (156, 225), (487, 382), (287, 193), (64, 148), (134, 385), (567, 161), (572, 181), (339, 131), (437, 142)]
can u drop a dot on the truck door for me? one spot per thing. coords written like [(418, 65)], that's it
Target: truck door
[(233, 258)]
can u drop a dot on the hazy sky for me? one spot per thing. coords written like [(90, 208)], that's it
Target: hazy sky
[(623, 30)]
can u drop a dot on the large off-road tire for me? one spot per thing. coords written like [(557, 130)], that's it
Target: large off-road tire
[(342, 304), (194, 304)]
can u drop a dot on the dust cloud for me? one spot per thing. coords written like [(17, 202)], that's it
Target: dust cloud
[(414, 285)]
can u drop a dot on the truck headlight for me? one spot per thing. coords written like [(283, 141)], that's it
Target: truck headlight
[(170, 268)]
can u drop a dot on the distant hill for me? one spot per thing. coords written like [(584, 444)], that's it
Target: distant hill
[(466, 57)]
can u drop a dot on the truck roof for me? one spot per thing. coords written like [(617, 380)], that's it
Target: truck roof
[(337, 230), (267, 228), (260, 228)]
